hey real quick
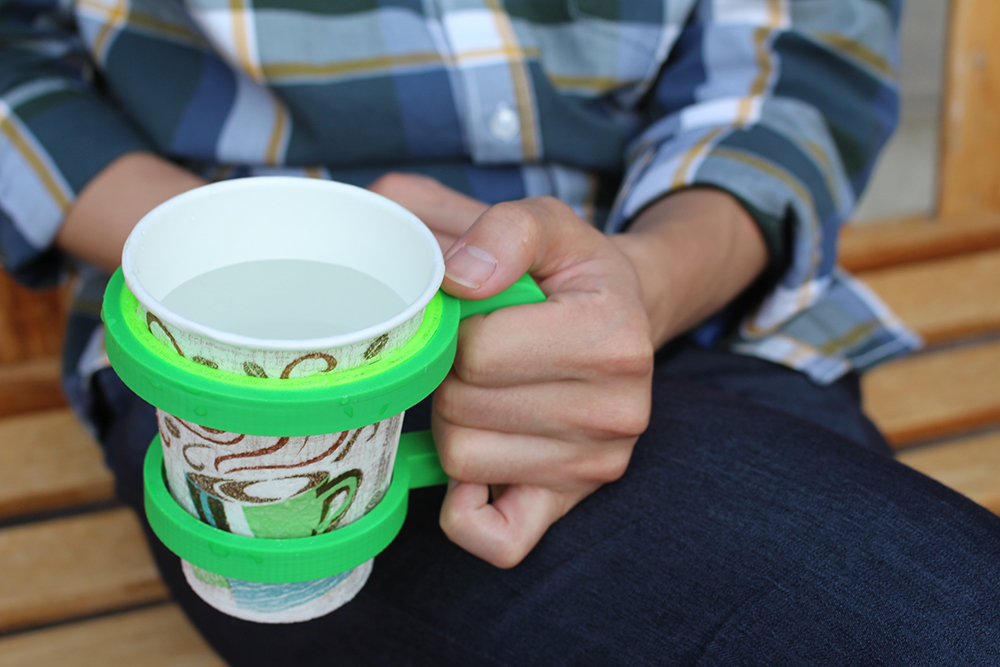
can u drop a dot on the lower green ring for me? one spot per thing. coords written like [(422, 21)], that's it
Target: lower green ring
[(278, 561)]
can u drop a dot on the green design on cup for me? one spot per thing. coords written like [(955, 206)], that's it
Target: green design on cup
[(317, 510), (310, 513), (210, 578)]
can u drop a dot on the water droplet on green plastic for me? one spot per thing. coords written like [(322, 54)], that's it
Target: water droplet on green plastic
[(349, 411), (219, 550), (200, 410)]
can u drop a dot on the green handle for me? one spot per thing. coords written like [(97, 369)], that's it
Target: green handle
[(420, 455), (522, 292)]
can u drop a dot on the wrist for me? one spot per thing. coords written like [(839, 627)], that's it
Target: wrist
[(694, 251)]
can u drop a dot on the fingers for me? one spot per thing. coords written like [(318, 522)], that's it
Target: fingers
[(545, 401), (542, 235), (559, 462), (502, 532), (570, 411), (592, 323), (571, 336), (491, 457), (442, 209)]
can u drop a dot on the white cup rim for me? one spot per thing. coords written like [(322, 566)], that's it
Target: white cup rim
[(153, 305)]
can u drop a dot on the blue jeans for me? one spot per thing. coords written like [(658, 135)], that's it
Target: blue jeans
[(760, 522)]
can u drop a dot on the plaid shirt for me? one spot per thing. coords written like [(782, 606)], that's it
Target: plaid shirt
[(605, 105)]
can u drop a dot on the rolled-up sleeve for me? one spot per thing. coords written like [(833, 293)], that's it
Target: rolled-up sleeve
[(56, 133), (785, 104)]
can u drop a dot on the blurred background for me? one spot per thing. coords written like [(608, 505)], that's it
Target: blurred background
[(904, 182)]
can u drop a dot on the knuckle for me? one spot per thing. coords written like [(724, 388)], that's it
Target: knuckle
[(615, 470), (456, 458), (389, 183), (452, 524), (502, 551), (554, 206), (447, 401), (397, 183), (520, 221), (605, 467), (515, 210), (473, 366), (634, 419), (507, 554), (623, 417), (457, 527), (628, 355)]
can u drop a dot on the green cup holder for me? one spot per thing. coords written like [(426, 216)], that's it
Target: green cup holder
[(270, 407)]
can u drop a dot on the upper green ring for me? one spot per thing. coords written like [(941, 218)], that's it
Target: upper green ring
[(273, 407)]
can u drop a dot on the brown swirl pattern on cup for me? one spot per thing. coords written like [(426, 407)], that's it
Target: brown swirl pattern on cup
[(266, 364), (152, 319), (331, 363)]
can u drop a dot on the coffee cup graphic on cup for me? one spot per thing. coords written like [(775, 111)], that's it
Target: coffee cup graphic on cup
[(280, 279)]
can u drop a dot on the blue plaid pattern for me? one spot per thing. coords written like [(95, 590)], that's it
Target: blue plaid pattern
[(607, 105)]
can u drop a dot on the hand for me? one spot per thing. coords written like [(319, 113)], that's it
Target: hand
[(545, 402)]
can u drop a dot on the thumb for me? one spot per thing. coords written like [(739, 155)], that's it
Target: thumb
[(538, 235), (497, 250)]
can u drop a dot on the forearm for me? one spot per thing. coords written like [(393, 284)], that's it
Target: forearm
[(112, 203), (694, 252)]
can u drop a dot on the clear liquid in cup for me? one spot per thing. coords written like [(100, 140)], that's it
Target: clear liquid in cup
[(285, 299)]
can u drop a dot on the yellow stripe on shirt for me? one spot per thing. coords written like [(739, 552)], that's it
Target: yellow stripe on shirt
[(18, 136)]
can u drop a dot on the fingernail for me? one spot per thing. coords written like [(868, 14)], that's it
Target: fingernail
[(469, 266), (452, 483)]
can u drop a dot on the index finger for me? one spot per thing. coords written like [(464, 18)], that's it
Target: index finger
[(571, 336)]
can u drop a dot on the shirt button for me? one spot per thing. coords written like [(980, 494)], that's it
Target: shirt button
[(504, 124)]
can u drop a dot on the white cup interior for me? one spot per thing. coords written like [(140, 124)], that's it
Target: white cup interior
[(275, 217)]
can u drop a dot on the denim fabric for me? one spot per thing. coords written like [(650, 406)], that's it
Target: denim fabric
[(740, 535)]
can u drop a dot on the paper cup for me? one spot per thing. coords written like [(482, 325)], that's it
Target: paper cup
[(279, 487)]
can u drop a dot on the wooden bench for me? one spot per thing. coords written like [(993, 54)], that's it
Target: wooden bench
[(77, 585)]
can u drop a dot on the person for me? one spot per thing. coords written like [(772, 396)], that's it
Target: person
[(664, 463)]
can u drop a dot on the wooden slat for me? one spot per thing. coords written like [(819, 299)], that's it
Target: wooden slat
[(64, 568), (971, 466), (970, 163), (157, 637), (32, 322), (945, 299), (47, 461), (875, 245), (30, 385), (935, 394)]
